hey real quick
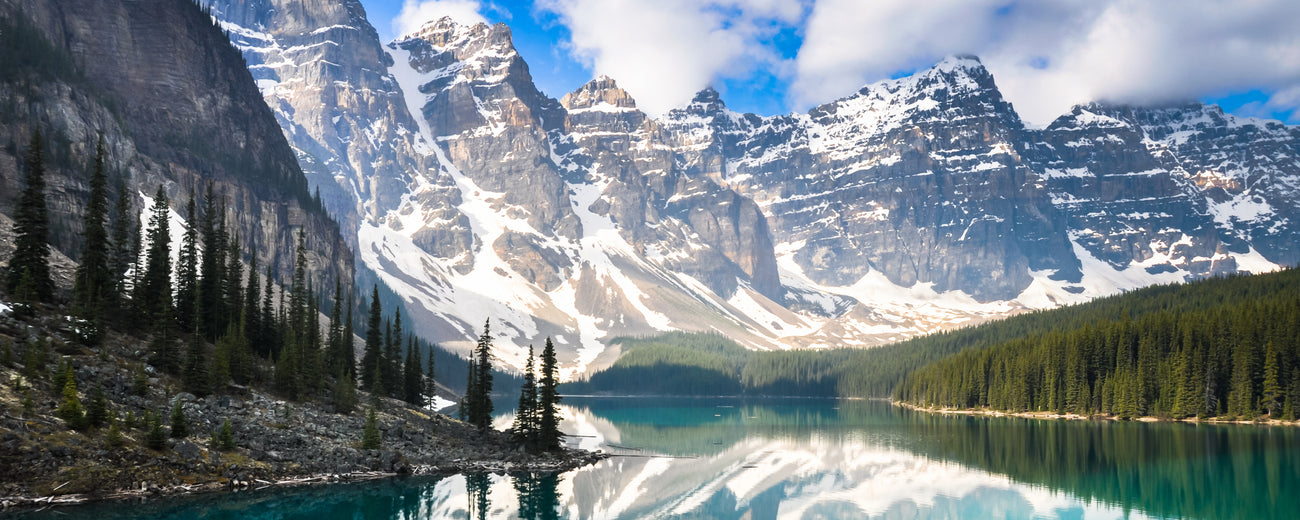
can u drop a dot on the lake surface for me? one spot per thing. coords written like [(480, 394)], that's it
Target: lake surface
[(819, 459)]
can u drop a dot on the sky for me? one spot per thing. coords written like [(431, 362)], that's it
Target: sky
[(780, 56)]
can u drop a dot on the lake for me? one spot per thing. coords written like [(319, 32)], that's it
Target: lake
[(819, 459)]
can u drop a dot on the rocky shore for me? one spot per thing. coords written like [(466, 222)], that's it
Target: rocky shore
[(1095, 417), (276, 442)]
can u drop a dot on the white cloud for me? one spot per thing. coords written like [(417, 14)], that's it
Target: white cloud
[(662, 52), (1047, 56), (415, 13)]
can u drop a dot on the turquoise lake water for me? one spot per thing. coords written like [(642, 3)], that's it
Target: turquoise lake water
[(818, 459)]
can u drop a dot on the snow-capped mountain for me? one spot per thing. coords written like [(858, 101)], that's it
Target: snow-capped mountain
[(913, 205)]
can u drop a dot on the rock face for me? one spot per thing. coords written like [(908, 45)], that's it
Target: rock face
[(176, 107), (910, 206), (918, 178), (322, 70)]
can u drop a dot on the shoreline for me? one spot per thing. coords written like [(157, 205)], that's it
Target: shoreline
[(568, 460), (985, 412)]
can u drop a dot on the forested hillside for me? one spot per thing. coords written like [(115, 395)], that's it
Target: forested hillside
[(1228, 347), (1231, 343)]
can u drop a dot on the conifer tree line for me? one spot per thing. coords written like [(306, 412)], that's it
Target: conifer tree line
[(1238, 360), (391, 359), (210, 320)]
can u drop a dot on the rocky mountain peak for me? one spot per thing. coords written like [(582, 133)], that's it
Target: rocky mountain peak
[(600, 91), (447, 32)]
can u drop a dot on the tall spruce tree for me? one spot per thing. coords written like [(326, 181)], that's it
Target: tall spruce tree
[(311, 369), (187, 271), (413, 379), (154, 293), (195, 377), (270, 337), (212, 266), (430, 384), (480, 398), (95, 283), (374, 347), (526, 426), (123, 251), (234, 282), (1273, 392), (334, 338), (471, 389), (252, 313), (548, 400), (28, 277), (348, 347), (393, 359)]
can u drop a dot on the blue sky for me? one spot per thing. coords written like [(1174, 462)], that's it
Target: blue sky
[(777, 56)]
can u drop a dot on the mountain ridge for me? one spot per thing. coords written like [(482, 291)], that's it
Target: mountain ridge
[(912, 205)]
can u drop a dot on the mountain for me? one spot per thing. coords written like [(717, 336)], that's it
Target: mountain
[(913, 205), (176, 107)]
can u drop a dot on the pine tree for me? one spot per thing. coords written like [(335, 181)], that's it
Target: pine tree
[(234, 282), (154, 293), (345, 394), (113, 438), (1273, 393), (392, 359), (370, 438), (348, 347), (223, 356), (70, 410), (123, 250), (527, 423), (97, 408), (94, 285), (471, 389), (269, 348), (298, 289), (225, 437), (156, 438), (187, 272), (1292, 398), (334, 355), (1241, 397), (311, 359), (370, 357), (414, 380), (430, 384), (180, 427), (162, 347), (480, 397), (140, 383), (548, 400), (195, 377), (251, 315), (28, 277), (287, 372), (211, 297)]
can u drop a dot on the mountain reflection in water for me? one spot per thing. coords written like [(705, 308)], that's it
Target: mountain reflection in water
[(820, 459)]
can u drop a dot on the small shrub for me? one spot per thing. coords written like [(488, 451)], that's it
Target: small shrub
[(113, 438), (223, 438), (70, 411), (97, 408), (370, 439), (156, 439), (140, 384), (180, 428)]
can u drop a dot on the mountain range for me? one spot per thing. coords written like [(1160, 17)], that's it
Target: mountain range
[(912, 205)]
